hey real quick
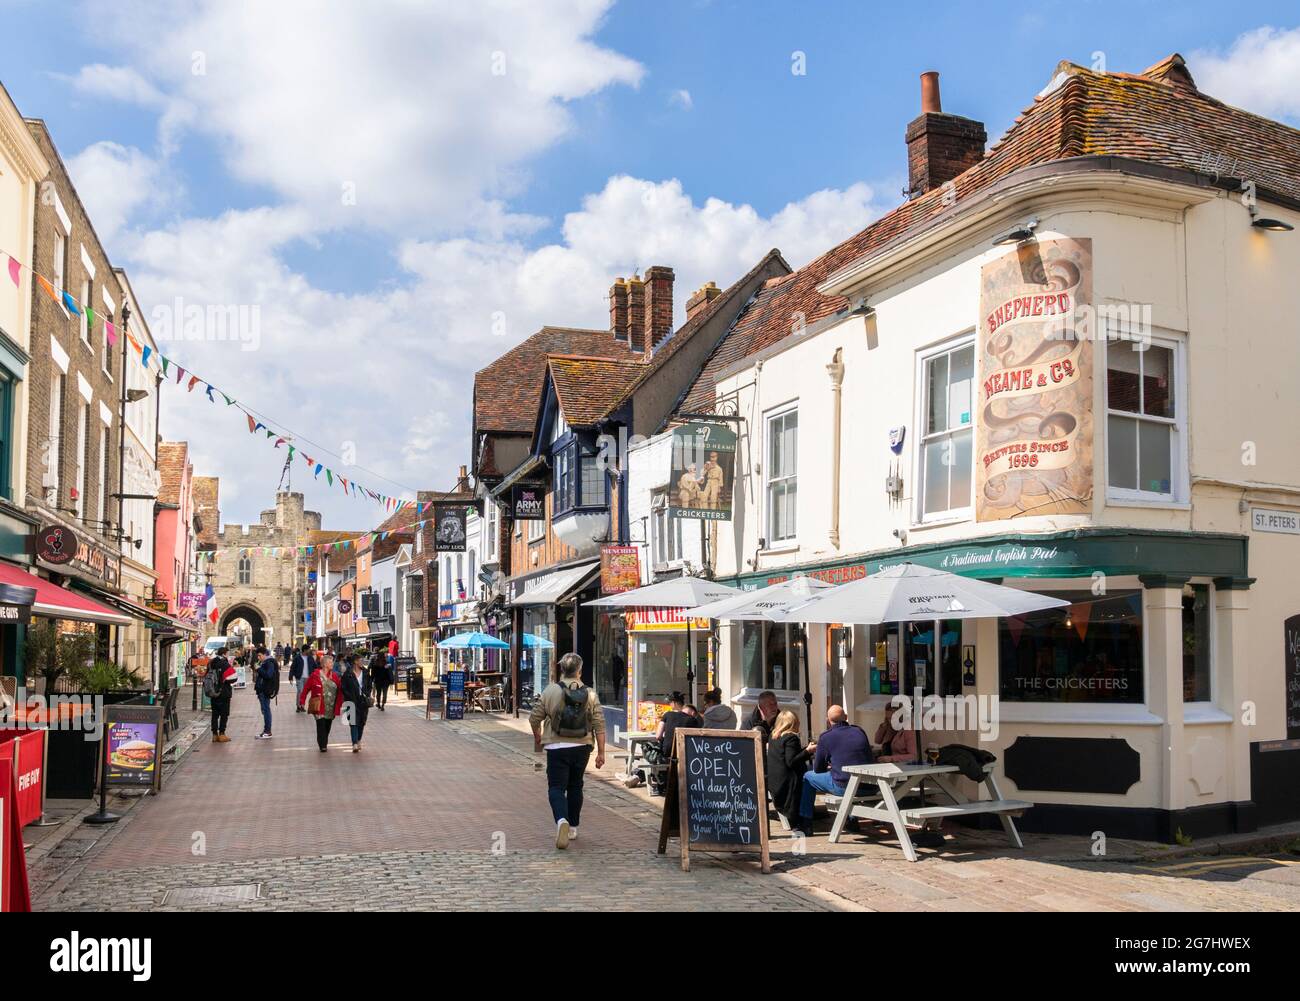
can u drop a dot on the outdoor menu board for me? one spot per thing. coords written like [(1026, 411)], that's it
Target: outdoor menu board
[(716, 794), (402, 665), (1291, 675), (454, 708), (434, 700), (131, 745)]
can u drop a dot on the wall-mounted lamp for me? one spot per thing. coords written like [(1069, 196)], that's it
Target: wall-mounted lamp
[(1272, 225), (1018, 235)]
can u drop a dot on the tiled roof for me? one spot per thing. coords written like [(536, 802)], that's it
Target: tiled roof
[(588, 387), (173, 456), (1156, 116), (507, 392)]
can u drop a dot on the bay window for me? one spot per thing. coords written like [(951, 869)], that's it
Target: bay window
[(577, 480)]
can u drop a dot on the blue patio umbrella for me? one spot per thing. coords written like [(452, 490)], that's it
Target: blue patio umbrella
[(533, 640), (473, 641)]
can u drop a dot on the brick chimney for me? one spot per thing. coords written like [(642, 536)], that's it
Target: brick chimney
[(462, 480), (701, 297), (635, 335), (658, 305), (618, 309), (939, 146)]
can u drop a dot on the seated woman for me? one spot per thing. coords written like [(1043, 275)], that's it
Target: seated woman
[(897, 742), (787, 760)]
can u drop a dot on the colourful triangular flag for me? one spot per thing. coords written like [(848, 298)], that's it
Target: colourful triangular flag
[(13, 271)]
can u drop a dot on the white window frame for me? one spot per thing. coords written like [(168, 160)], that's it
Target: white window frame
[(923, 359), (1180, 491), (110, 307), (83, 442), (61, 267), (665, 534), (87, 290), (775, 414), (103, 476), (537, 526)]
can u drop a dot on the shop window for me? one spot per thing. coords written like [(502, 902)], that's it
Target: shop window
[(945, 459), (781, 475), (770, 656), (611, 659), (1143, 420), (1196, 643), (666, 532), (1089, 652)]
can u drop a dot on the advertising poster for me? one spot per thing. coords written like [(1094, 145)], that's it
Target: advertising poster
[(620, 569), (455, 706), (528, 503), (1034, 423), (449, 527), (703, 472), (132, 738)]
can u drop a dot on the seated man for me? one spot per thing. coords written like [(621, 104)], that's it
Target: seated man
[(841, 745)]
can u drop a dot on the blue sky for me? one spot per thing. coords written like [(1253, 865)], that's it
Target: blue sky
[(606, 138)]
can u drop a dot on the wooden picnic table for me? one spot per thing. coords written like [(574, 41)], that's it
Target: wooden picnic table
[(892, 777)]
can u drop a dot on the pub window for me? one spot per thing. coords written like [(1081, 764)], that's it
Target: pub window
[(782, 476), (1196, 643), (1088, 652), (245, 570), (1143, 419), (611, 659), (945, 458), (769, 656), (666, 532)]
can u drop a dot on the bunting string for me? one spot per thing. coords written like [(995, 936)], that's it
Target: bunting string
[(155, 361)]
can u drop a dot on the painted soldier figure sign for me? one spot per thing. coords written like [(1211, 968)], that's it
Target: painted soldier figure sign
[(1033, 445), (703, 472)]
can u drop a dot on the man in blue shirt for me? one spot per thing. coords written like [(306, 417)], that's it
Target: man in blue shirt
[(842, 744)]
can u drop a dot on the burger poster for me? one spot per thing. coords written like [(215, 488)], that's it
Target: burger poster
[(132, 736), (1034, 426)]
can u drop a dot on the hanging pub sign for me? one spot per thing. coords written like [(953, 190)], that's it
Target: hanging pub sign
[(1033, 379), (449, 527), (528, 503), (703, 471), (620, 569), (370, 604)]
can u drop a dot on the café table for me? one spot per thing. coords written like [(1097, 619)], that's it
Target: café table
[(892, 778)]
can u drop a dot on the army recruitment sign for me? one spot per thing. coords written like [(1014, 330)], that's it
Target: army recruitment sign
[(1033, 444), (703, 471)]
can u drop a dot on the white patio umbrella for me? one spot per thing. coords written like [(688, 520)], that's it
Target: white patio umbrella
[(680, 592), (765, 604), (913, 593)]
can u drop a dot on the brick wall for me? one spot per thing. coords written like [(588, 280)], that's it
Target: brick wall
[(55, 446), (939, 147)]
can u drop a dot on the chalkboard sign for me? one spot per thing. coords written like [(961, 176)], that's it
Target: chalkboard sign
[(716, 795), (1291, 661), (434, 701)]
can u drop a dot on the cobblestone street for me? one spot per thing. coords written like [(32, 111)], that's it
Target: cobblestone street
[(435, 815)]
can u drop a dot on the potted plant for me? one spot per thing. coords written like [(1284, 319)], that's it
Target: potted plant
[(53, 653)]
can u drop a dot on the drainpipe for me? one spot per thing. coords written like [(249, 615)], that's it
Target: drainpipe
[(836, 371)]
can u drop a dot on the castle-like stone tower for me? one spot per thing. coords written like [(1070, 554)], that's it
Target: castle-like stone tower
[(254, 573)]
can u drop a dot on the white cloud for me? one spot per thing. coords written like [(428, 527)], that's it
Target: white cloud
[(423, 111), (118, 182), (682, 99), (1259, 72)]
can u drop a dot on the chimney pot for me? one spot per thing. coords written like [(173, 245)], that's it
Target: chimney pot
[(930, 100), (701, 297), (618, 305), (658, 306)]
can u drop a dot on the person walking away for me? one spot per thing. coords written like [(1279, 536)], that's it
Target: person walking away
[(354, 687), (266, 684), (716, 716), (298, 672), (380, 677), (219, 686), (566, 720), (787, 761), (841, 745), (320, 696)]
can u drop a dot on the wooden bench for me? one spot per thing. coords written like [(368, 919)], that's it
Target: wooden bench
[(1011, 807)]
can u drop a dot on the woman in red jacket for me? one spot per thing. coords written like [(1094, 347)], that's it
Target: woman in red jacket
[(323, 700)]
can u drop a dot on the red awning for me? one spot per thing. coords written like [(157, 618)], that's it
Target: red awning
[(54, 602)]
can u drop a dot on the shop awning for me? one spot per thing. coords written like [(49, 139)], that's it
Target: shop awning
[(553, 587), (54, 602)]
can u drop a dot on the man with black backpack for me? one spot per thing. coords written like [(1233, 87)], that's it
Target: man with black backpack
[(567, 721), (218, 686), (267, 687)]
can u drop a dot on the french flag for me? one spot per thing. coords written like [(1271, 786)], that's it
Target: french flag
[(210, 605)]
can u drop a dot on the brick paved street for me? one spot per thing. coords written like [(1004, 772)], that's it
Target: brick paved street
[(436, 815)]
